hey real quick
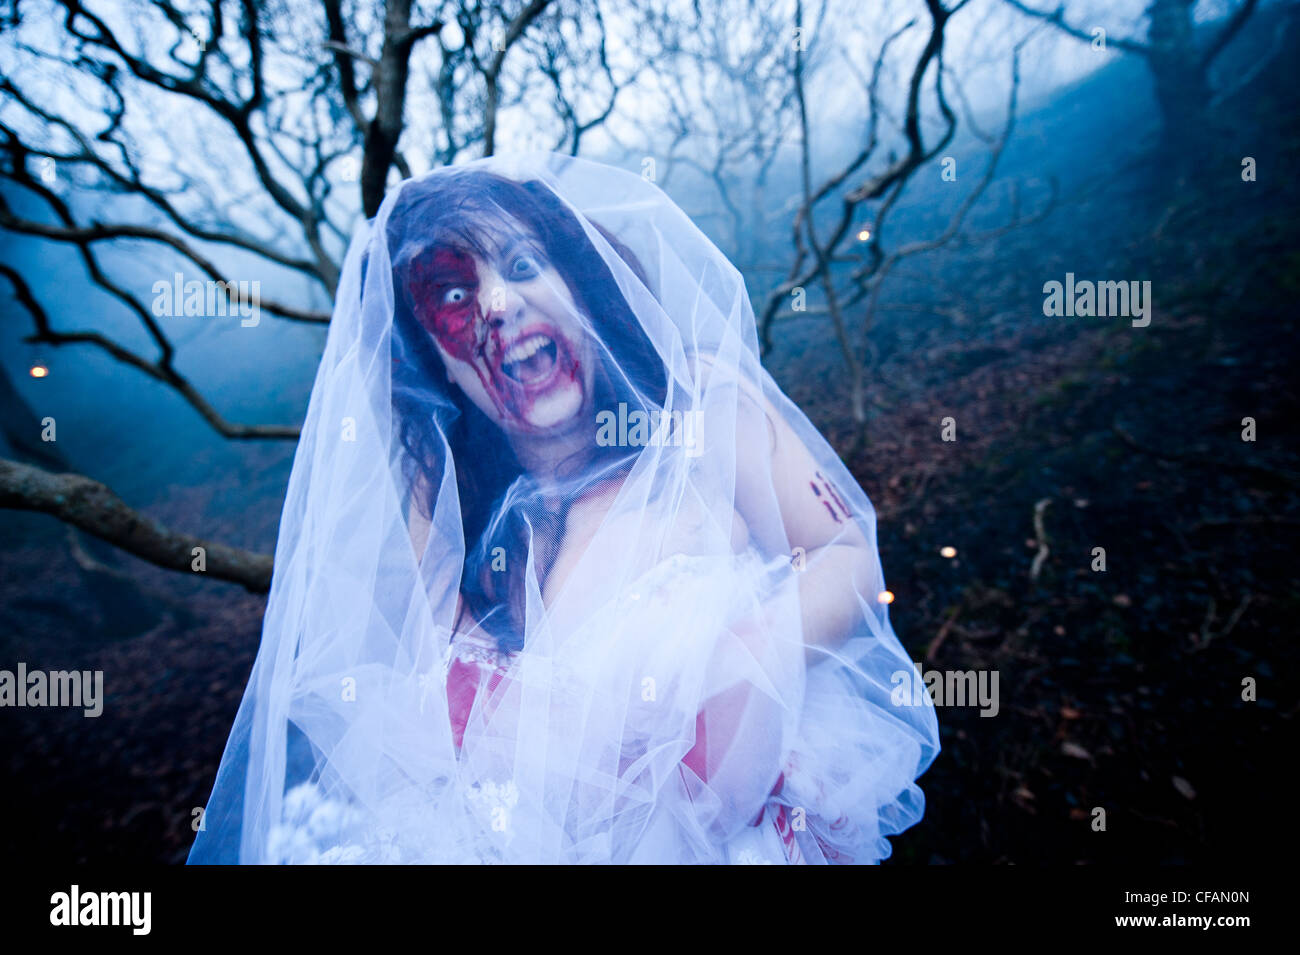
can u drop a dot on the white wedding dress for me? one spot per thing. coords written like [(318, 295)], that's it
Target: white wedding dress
[(821, 804), (630, 682)]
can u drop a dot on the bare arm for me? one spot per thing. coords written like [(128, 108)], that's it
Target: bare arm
[(836, 559)]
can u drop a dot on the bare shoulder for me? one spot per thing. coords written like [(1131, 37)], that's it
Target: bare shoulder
[(754, 402)]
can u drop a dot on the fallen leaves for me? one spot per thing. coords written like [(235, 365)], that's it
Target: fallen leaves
[(1075, 751)]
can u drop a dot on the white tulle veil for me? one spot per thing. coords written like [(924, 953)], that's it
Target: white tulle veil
[(547, 604)]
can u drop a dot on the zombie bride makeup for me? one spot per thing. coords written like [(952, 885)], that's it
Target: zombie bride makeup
[(826, 493), (507, 327)]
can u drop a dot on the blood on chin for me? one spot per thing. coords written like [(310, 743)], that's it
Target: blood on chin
[(525, 406), (555, 403), (461, 333)]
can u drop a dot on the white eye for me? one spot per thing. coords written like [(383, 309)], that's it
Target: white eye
[(455, 296)]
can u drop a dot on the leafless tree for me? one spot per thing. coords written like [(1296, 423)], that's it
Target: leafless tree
[(308, 110), (848, 262), (722, 76), (1179, 57), (250, 130)]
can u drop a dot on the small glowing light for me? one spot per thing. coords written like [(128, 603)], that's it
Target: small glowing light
[(864, 235), (948, 551), (886, 597), (39, 371)]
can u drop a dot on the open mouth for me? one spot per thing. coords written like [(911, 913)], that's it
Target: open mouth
[(531, 359)]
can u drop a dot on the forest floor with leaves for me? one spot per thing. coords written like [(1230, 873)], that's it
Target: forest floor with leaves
[(1120, 690)]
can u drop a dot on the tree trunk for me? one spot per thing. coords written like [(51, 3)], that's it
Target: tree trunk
[(1181, 86)]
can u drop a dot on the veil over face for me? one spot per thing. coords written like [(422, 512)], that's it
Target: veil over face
[(562, 575)]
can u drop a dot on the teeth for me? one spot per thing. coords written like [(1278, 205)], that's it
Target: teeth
[(522, 351)]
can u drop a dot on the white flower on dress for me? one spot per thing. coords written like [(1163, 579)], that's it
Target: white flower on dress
[(289, 845), (325, 821), (300, 802), (312, 829), (342, 855)]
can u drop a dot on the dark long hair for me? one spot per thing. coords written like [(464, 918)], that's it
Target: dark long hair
[(454, 210)]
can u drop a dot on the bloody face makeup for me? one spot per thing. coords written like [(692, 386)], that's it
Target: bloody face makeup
[(508, 329), (443, 289)]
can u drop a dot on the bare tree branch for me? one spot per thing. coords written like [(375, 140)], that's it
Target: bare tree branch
[(161, 370), (1057, 19), (893, 177), (133, 183), (1230, 30), (1179, 65), (275, 109), (99, 232), (237, 115), (390, 80), (492, 73), (95, 509)]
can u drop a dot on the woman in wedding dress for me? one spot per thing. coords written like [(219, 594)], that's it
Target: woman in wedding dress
[(562, 576)]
